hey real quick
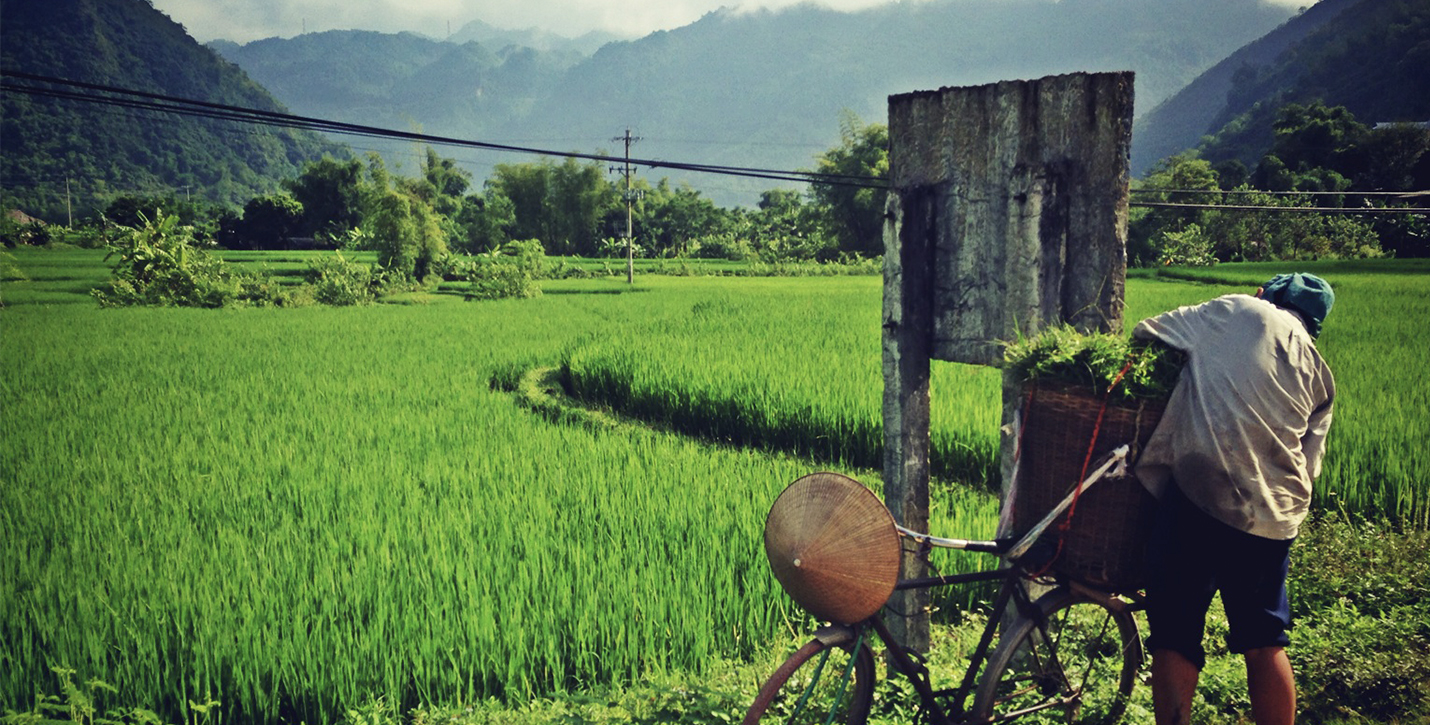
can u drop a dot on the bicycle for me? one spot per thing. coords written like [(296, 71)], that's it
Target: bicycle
[(1071, 654)]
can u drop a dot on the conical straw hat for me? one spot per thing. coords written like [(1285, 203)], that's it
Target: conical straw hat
[(833, 547)]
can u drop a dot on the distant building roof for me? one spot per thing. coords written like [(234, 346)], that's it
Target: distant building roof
[(1388, 124)]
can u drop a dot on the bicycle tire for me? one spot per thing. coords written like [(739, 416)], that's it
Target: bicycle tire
[(1082, 671), (782, 698)]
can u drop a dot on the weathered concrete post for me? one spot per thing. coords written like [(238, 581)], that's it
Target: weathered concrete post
[(1008, 213)]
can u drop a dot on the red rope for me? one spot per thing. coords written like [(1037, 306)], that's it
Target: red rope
[(1066, 524)]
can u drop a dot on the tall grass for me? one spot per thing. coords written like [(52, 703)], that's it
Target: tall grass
[(807, 378), (786, 364), (293, 511)]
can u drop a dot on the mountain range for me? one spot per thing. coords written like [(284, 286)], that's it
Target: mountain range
[(63, 157), (763, 89), (1371, 56)]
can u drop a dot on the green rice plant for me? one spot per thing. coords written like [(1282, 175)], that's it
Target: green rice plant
[(296, 511)]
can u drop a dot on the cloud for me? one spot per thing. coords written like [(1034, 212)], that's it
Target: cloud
[(246, 20)]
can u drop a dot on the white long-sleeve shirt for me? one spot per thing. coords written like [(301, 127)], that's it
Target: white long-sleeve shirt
[(1245, 429)]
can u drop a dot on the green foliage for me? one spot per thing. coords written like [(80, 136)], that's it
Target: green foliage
[(14, 232), (78, 703), (785, 228), (854, 215), (158, 264), (1150, 230), (64, 157), (1203, 236), (408, 238), (341, 282), (1288, 235), (1123, 367), (562, 204), (511, 271), (267, 223), (486, 221), (330, 196), (1360, 595), (1190, 247)]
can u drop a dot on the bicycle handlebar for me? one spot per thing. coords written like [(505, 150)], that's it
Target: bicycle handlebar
[(996, 546)]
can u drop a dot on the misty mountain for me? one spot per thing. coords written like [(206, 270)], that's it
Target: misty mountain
[(763, 89), (403, 81), (58, 151), (1371, 56), (534, 38)]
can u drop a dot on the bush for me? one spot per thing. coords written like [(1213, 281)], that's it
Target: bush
[(1190, 247), (340, 281), (509, 271), (159, 265), (260, 289), (723, 246), (14, 232), (1360, 596)]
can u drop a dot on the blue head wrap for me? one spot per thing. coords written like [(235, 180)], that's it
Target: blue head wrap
[(1306, 294)]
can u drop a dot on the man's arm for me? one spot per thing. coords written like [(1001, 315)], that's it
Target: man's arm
[(1313, 444)]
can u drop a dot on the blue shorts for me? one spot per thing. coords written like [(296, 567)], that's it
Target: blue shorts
[(1190, 557)]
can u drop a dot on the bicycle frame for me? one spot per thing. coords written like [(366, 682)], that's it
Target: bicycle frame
[(902, 662), (1028, 616)]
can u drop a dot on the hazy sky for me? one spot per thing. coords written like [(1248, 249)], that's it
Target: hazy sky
[(245, 20)]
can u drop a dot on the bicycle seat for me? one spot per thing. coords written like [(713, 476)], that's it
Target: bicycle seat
[(833, 547)]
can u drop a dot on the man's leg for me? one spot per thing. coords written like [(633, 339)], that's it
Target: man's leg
[(1180, 587), (1174, 682), (1272, 686)]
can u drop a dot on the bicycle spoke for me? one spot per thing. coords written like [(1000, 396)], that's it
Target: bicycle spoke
[(819, 686), (1077, 665)]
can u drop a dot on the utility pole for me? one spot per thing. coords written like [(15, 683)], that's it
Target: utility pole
[(630, 199), (69, 208)]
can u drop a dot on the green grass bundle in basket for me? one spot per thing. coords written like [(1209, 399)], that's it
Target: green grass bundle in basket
[(1069, 418), (1064, 356)]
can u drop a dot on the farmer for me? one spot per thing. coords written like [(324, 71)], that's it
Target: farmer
[(1231, 464)]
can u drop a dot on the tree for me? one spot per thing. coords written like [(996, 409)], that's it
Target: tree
[(1313, 149), (854, 215), (671, 218), (485, 220), (785, 227), (447, 181), (408, 237), (267, 223), (331, 194), (560, 204), (1394, 158), (1148, 229)]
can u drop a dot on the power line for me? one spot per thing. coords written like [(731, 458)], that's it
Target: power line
[(140, 100), (1286, 209), (1258, 192), (91, 93)]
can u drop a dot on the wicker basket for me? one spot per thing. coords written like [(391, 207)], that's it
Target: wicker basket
[(1105, 544)]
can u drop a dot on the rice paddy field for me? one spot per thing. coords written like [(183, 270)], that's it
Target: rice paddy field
[(291, 511)]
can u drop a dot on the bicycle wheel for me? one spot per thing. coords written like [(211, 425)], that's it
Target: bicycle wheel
[(818, 684), (1078, 665)]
